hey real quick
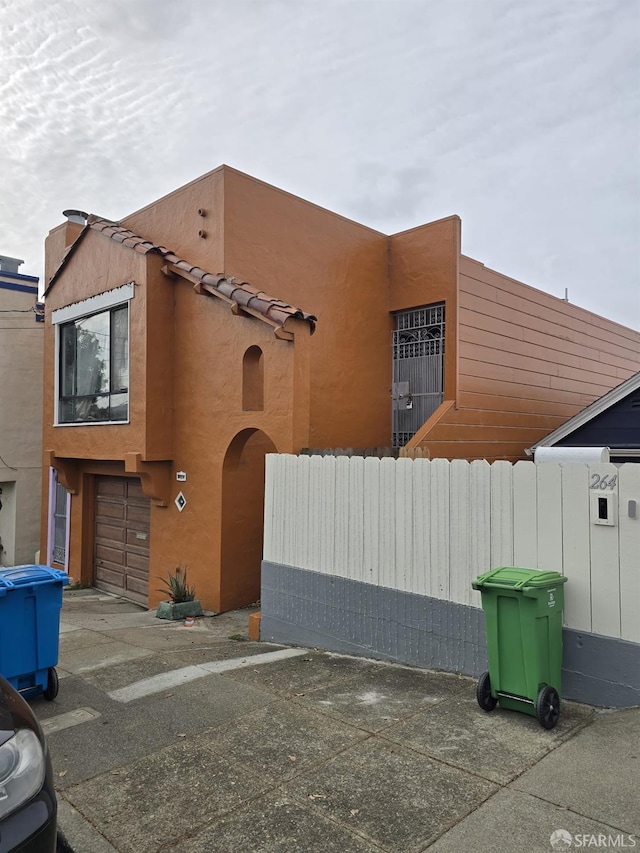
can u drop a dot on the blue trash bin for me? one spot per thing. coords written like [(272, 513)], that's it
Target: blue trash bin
[(30, 603)]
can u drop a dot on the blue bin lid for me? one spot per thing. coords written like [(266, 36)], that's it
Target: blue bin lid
[(29, 575)]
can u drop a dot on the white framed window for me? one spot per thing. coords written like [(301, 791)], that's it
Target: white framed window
[(92, 377)]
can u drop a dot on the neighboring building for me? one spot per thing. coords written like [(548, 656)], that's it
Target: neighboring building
[(21, 346), (161, 402), (612, 421)]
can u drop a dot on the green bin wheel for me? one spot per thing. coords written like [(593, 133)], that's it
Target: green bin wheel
[(483, 693), (547, 707), (51, 690)]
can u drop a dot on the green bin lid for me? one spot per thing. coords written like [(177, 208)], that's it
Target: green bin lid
[(512, 577)]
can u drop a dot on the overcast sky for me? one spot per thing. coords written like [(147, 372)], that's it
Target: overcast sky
[(521, 116)]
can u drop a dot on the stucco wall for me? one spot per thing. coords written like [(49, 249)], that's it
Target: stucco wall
[(311, 258), (337, 270), (210, 342), (186, 408), (98, 266), (21, 351)]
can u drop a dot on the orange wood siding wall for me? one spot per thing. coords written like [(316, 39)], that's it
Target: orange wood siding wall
[(527, 362)]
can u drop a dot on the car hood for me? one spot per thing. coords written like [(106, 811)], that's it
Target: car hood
[(14, 713)]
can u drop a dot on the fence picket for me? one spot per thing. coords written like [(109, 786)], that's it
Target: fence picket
[(355, 512), (421, 514), (439, 536), (525, 515), (404, 524), (371, 562), (328, 515), (501, 514), (605, 562), (479, 521), (343, 518), (629, 533), (459, 532), (271, 522), (387, 524), (315, 509), (549, 517), (300, 511), (576, 559)]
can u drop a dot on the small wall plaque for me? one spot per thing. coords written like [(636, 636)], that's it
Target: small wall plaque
[(181, 476)]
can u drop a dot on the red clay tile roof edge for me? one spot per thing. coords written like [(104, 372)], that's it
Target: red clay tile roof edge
[(241, 292)]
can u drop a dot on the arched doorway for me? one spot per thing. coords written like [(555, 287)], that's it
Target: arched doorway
[(242, 518)]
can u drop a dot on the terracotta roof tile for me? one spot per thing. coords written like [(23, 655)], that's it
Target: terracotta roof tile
[(241, 292)]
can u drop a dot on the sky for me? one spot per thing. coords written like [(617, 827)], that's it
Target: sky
[(520, 116)]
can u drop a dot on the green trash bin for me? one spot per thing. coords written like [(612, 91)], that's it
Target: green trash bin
[(523, 615)]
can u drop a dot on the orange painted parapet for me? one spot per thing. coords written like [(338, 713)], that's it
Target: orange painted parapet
[(254, 626)]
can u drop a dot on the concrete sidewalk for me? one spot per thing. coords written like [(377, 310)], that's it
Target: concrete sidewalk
[(168, 738)]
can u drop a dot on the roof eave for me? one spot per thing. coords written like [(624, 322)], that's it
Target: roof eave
[(628, 386)]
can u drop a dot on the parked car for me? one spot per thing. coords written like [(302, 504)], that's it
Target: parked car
[(28, 808)]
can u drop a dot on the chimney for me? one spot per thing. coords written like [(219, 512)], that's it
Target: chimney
[(76, 221), (8, 264), (60, 238), (77, 216)]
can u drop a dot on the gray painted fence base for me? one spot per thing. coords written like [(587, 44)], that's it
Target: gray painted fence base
[(306, 608)]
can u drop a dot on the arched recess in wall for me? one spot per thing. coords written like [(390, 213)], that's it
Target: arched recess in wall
[(243, 518), (253, 380)]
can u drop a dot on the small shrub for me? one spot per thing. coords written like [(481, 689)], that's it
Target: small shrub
[(177, 586)]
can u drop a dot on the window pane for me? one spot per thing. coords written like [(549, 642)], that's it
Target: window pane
[(67, 361), (66, 414), (94, 367), (120, 350), (119, 407), (92, 408), (92, 354)]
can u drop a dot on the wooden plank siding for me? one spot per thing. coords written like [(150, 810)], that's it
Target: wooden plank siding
[(526, 362)]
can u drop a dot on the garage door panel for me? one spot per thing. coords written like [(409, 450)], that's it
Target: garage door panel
[(109, 533), (137, 538), (109, 554), (140, 573), (137, 561), (122, 538), (134, 492), (137, 586), (111, 576), (138, 515), (111, 486), (108, 509)]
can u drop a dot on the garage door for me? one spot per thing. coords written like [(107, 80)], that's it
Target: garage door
[(122, 538)]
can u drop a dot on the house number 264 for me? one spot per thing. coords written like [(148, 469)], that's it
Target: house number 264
[(605, 482)]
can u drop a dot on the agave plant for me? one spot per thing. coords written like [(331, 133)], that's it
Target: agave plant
[(179, 589)]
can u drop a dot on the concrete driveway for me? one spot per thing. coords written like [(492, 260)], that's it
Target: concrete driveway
[(169, 738)]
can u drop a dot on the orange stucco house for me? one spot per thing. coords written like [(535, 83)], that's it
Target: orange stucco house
[(168, 376)]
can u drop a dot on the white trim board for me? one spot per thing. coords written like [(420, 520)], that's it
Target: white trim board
[(93, 304)]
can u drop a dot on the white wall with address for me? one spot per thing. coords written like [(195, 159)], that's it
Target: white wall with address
[(431, 527)]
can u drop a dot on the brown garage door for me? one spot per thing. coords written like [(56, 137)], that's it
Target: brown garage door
[(122, 538)]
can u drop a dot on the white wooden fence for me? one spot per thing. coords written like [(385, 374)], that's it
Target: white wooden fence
[(430, 527)]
